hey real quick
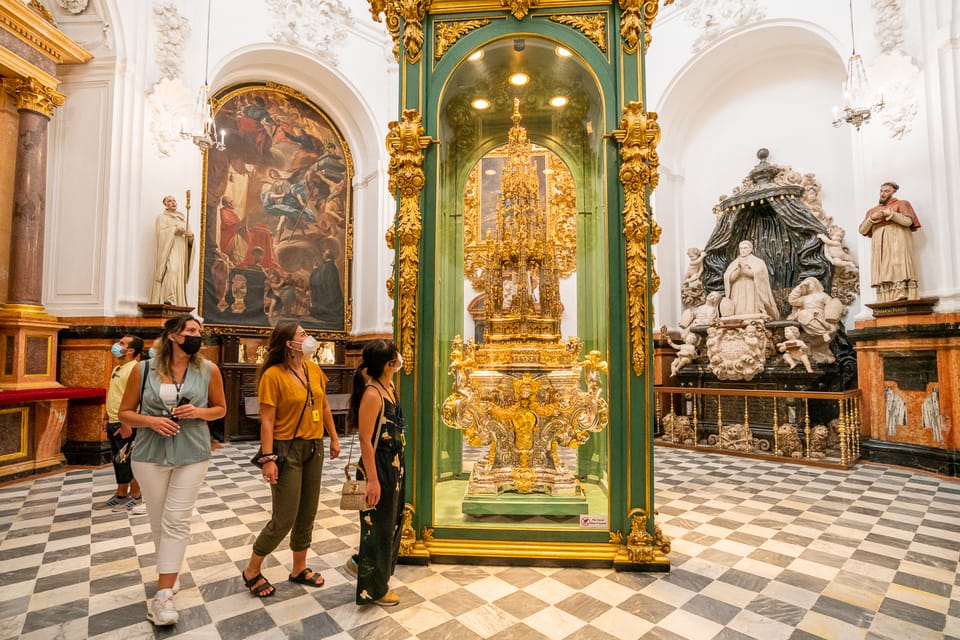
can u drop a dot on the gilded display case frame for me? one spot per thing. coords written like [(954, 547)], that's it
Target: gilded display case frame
[(632, 539)]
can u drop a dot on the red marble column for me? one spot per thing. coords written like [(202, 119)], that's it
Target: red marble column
[(35, 104)]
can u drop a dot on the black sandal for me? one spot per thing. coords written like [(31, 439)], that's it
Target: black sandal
[(308, 577), (263, 591)]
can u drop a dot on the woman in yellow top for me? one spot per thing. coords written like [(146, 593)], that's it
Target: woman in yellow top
[(293, 414)]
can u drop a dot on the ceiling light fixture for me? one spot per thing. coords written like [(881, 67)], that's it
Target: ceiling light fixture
[(857, 95), (558, 101), (480, 104), (563, 52), (476, 55), (519, 79), (204, 130)]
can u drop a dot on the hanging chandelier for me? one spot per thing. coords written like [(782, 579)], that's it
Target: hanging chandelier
[(857, 94), (204, 132)]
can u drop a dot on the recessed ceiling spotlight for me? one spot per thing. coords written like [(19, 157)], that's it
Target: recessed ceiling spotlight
[(563, 52), (519, 79), (490, 172), (480, 103), (558, 101), (476, 55)]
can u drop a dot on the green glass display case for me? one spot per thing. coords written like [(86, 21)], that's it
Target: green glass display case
[(522, 161)]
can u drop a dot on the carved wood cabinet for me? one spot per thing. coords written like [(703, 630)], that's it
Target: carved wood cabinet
[(242, 421)]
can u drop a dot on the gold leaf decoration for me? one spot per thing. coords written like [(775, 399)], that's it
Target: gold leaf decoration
[(32, 95), (594, 27), (405, 143), (519, 8), (638, 136), (449, 32), (636, 19), (641, 546), (412, 13)]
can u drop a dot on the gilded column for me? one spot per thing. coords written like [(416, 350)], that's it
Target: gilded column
[(35, 104)]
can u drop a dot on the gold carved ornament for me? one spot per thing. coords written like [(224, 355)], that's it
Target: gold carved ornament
[(32, 95), (405, 143), (594, 27), (449, 32), (412, 12), (638, 136), (519, 8), (637, 18), (641, 546)]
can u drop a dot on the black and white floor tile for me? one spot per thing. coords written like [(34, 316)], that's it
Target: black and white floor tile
[(760, 550)]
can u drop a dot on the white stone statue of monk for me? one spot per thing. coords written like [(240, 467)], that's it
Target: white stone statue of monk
[(746, 285), (890, 226), (174, 256)]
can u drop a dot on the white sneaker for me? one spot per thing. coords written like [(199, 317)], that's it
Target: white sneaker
[(176, 586), (139, 509), (162, 611)]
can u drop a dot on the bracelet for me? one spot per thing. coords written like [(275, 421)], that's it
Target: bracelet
[(267, 457)]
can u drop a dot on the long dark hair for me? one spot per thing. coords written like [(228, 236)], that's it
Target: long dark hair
[(376, 355), (172, 327), (283, 332)]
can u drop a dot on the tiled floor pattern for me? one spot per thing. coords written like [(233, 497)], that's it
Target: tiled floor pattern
[(760, 550)]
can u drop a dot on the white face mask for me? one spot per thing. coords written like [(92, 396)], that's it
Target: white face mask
[(309, 346), (399, 362)]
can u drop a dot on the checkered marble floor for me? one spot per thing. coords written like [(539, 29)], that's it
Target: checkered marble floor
[(760, 550)]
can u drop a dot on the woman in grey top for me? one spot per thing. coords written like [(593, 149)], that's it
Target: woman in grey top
[(177, 393)]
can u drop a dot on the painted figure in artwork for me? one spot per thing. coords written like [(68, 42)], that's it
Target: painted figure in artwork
[(890, 226)]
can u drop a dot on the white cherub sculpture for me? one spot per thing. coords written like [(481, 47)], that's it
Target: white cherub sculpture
[(686, 352)]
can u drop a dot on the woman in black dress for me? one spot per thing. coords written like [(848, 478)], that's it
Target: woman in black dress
[(376, 412)]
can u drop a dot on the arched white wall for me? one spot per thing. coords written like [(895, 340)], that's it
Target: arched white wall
[(773, 86)]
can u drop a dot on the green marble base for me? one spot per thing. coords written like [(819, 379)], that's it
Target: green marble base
[(525, 504)]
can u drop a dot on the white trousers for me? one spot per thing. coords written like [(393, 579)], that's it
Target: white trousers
[(170, 493)]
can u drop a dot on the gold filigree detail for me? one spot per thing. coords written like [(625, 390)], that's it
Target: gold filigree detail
[(561, 212), (37, 6), (636, 19), (426, 534), (412, 12), (641, 546), (594, 27), (449, 32), (32, 95), (408, 535), (405, 143), (638, 136), (616, 537), (519, 8), (386, 11)]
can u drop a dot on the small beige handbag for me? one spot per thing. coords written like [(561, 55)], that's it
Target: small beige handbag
[(353, 491), (351, 496)]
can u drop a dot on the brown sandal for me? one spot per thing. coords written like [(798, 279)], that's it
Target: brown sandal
[(264, 590)]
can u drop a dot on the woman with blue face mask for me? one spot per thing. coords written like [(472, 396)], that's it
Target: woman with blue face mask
[(294, 413)]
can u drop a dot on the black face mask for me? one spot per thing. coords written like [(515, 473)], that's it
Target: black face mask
[(191, 344)]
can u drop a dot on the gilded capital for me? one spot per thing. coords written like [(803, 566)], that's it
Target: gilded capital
[(636, 20), (31, 95)]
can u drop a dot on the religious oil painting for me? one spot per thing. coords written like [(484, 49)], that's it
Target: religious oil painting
[(278, 215)]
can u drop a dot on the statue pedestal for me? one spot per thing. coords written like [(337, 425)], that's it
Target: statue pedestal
[(162, 310), (529, 504), (921, 306), (908, 365), (29, 348)]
